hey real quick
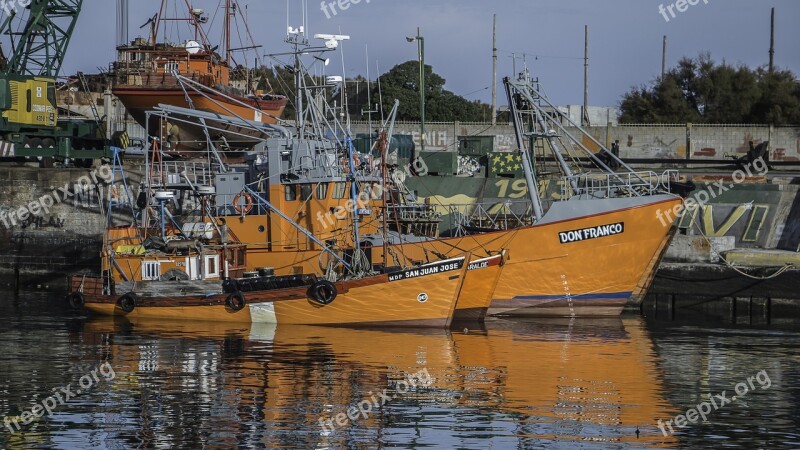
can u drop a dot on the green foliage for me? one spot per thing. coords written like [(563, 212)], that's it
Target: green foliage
[(700, 91), (282, 84), (401, 83), (441, 105)]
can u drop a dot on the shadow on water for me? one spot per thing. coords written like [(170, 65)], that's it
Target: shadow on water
[(557, 383)]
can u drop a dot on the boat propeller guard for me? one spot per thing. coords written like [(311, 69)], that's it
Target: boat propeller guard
[(127, 302), (323, 292), (76, 300), (235, 301)]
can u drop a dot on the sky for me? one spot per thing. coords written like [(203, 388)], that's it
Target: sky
[(625, 38)]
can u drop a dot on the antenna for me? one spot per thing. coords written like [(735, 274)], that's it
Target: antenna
[(304, 7), (369, 100), (122, 22), (332, 40), (380, 92), (345, 112)]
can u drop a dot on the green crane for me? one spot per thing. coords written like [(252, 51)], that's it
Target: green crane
[(39, 32), (40, 47)]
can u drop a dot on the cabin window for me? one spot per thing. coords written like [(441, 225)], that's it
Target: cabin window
[(151, 270), (240, 262), (322, 191), (340, 190), (290, 192), (212, 266), (51, 94), (373, 192), (305, 192)]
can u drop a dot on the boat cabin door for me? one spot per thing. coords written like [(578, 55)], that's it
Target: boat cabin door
[(193, 268)]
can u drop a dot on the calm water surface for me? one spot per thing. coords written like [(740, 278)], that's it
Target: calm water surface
[(513, 384)]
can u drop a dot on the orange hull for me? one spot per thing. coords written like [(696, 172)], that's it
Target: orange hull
[(139, 100), (423, 296)]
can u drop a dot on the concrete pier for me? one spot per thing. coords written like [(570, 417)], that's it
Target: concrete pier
[(682, 290)]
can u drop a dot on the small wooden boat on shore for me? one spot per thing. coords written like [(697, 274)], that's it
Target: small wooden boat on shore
[(423, 296), (145, 78)]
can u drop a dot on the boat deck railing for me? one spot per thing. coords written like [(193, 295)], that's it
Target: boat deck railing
[(608, 185), (171, 174), (142, 74), (503, 215), (421, 213)]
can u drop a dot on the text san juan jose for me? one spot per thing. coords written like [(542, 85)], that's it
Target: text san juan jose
[(428, 269)]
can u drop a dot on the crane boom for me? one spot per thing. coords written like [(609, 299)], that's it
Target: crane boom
[(39, 49)]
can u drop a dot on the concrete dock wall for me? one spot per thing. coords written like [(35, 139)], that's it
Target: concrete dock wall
[(686, 141)]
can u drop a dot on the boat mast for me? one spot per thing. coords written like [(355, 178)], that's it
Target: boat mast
[(384, 177), (530, 177), (385, 142), (228, 32), (159, 18)]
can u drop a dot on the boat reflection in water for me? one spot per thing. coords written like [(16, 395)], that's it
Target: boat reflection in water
[(514, 383)]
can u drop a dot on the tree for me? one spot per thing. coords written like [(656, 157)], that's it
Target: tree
[(401, 83), (700, 91), (279, 81), (441, 105), (779, 100)]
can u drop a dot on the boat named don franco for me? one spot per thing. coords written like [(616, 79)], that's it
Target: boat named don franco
[(559, 265), (591, 233)]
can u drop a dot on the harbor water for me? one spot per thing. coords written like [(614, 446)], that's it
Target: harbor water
[(71, 381)]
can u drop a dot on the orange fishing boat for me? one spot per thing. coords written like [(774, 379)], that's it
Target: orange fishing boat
[(155, 268), (145, 70)]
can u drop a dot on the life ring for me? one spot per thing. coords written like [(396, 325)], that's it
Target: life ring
[(76, 300), (323, 292), (127, 302), (247, 207), (235, 301)]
